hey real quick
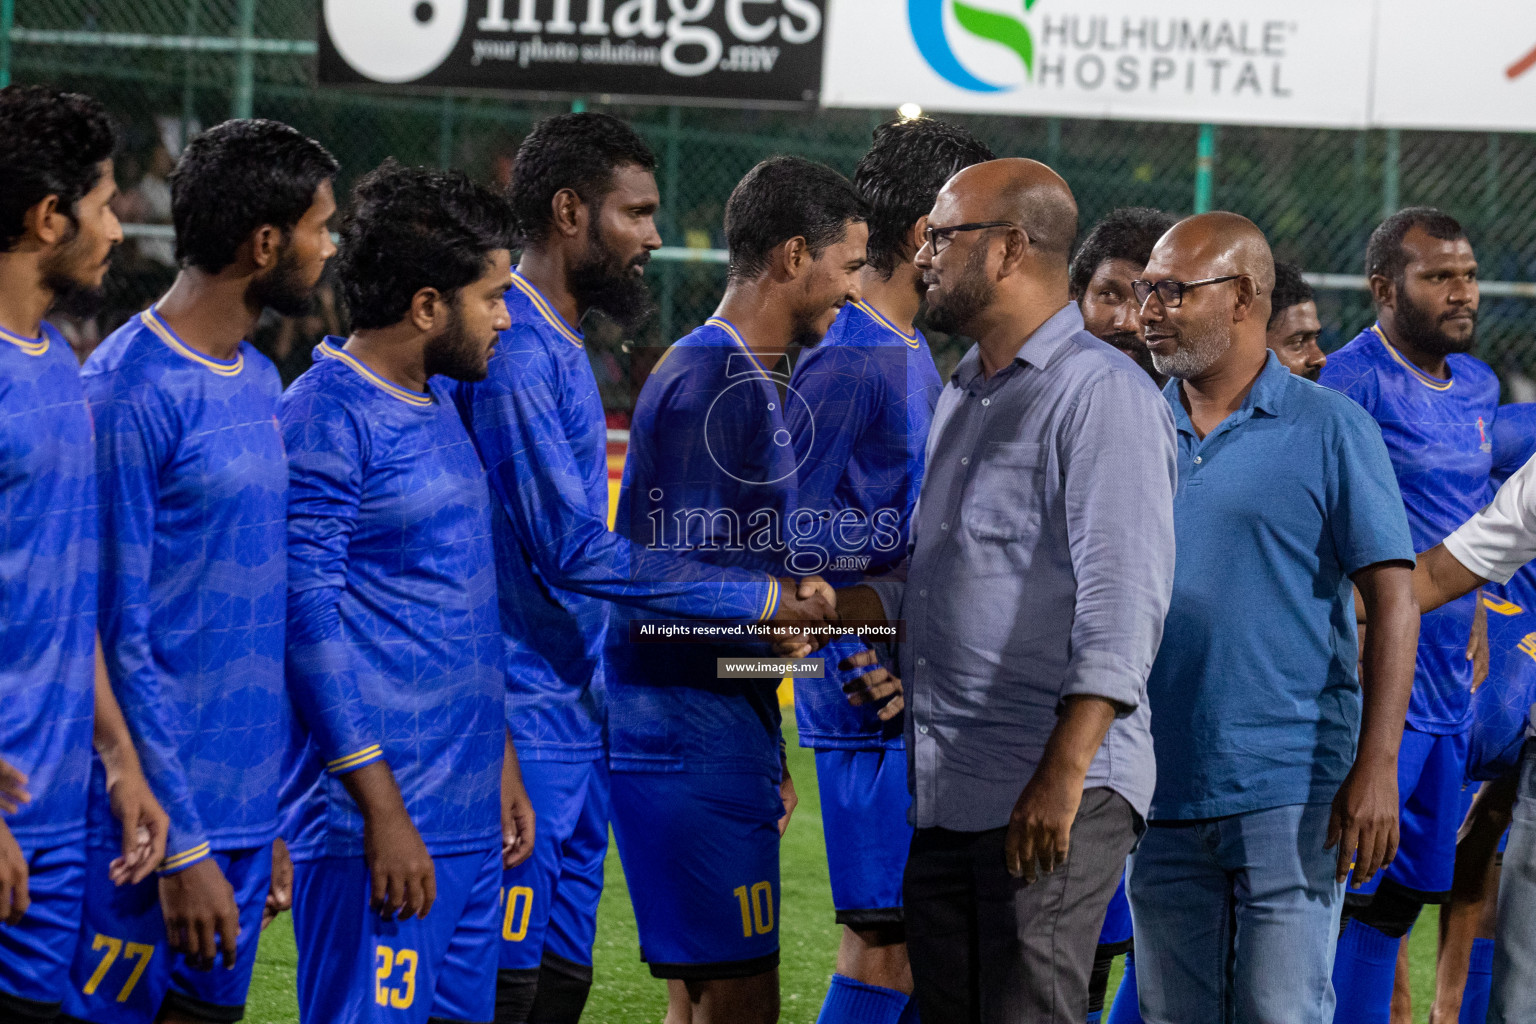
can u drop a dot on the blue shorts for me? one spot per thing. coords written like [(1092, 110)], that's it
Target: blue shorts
[(549, 902), (124, 968), (1430, 772), (357, 968), (701, 856), (1116, 932), (864, 802), (35, 954)]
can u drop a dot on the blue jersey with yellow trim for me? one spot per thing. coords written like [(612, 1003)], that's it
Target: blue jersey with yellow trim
[(394, 650), (1439, 434), (48, 556), (538, 422), (1501, 708), (193, 485), (868, 394), (710, 474)]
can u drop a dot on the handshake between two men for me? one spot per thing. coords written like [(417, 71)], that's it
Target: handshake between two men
[(807, 615)]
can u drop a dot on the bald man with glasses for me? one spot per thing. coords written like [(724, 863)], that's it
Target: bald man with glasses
[(1277, 768), (1033, 597)]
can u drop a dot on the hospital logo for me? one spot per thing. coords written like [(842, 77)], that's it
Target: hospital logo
[(926, 20)]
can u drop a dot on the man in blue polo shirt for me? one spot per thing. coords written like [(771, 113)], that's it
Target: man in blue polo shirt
[(1271, 782)]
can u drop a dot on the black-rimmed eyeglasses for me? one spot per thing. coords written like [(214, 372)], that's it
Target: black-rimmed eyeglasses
[(939, 238), (1171, 293)]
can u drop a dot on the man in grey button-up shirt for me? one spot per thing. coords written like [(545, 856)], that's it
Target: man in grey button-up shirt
[(1039, 574)]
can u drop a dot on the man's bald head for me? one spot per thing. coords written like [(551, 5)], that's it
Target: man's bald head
[(1224, 316), (1222, 243), (1024, 192)]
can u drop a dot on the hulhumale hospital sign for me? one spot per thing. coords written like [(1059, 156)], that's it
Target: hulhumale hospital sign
[(1253, 61), (1325, 63)]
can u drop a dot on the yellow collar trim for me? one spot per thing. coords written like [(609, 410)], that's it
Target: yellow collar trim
[(1434, 383), (878, 317), (730, 328), (540, 303), (31, 346), (149, 318), (394, 390)]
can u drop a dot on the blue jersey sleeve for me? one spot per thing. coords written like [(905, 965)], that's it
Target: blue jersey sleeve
[(517, 426), (136, 432), (325, 457), (1365, 513)]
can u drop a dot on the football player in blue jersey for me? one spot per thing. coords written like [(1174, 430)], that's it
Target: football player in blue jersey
[(57, 231), (1112, 255), (699, 787), (405, 802), (193, 482), (585, 195), (1436, 406), (867, 394), (1500, 711)]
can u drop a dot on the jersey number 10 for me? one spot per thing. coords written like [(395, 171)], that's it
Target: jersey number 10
[(756, 909)]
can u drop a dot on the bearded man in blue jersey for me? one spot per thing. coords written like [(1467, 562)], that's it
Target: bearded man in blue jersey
[(1436, 407), (193, 484), (584, 192), (405, 799), (57, 232), (868, 391)]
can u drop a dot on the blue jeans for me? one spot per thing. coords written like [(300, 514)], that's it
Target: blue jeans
[(1514, 953), (1236, 919)]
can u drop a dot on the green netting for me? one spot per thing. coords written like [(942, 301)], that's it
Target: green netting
[(1317, 193)]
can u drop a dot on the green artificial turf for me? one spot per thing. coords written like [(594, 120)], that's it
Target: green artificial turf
[(625, 992)]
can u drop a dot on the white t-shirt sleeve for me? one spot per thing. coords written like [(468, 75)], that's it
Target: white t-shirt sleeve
[(1501, 538)]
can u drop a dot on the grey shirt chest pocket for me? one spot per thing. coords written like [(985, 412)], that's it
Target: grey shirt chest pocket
[(1007, 491)]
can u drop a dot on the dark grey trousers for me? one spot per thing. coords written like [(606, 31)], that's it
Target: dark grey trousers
[(988, 949)]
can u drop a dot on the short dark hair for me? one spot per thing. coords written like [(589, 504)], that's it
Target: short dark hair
[(575, 151), (412, 228), (236, 177), (1384, 253), (1128, 233), (51, 144), (1290, 290), (900, 177), (786, 197)]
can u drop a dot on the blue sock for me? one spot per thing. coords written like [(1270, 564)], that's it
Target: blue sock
[(1363, 969), (909, 1015), (853, 1002), (1095, 1016), (1125, 1009), (1474, 1003)]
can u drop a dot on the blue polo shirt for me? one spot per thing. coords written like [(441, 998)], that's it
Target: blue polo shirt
[(1254, 697)]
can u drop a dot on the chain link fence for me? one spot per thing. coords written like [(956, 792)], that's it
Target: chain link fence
[(166, 67)]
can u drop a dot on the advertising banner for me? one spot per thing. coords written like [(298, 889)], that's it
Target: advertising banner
[(1468, 66), (1304, 62), (764, 51)]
